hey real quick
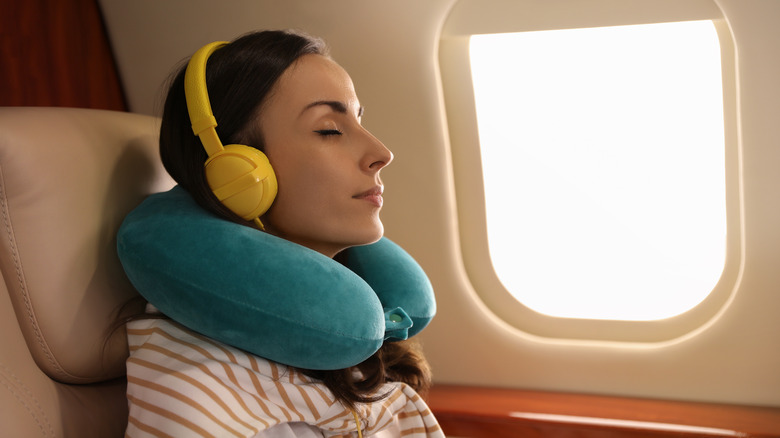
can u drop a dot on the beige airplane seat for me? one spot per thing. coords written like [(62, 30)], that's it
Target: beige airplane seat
[(67, 179)]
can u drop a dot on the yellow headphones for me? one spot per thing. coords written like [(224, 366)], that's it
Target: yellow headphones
[(240, 176)]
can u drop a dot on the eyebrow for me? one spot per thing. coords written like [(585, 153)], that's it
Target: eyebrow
[(335, 105)]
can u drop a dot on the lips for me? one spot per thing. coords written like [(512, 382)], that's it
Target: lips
[(372, 195)]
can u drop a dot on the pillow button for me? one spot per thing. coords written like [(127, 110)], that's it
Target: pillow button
[(397, 324)]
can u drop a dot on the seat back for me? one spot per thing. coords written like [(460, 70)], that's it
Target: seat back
[(67, 179)]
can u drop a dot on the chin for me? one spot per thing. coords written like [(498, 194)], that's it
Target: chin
[(370, 235)]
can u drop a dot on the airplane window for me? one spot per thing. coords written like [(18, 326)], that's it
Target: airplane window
[(603, 165)]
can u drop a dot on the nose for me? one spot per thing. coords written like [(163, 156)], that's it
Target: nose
[(377, 155)]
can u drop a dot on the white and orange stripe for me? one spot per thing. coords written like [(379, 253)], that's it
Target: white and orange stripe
[(182, 384)]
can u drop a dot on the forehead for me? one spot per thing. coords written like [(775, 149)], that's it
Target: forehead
[(313, 78)]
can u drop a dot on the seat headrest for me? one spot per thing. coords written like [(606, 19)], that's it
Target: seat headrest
[(68, 177)]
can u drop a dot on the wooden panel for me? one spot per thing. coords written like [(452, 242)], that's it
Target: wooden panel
[(56, 53), (473, 412)]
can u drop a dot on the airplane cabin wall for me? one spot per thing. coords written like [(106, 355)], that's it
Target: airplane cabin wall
[(390, 49), (46, 63)]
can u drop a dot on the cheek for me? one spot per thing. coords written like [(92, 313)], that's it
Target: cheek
[(306, 186), (304, 174), (319, 169)]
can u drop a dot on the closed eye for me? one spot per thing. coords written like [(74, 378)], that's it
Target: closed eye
[(328, 132)]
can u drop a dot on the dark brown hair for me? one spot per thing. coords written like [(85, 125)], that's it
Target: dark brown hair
[(240, 77)]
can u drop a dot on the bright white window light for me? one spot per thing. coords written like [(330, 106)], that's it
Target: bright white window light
[(603, 162)]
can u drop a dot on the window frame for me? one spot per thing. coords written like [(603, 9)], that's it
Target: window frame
[(454, 66)]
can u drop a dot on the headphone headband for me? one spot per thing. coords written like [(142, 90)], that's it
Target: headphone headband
[(198, 104)]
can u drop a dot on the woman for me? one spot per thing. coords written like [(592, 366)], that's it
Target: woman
[(280, 93)]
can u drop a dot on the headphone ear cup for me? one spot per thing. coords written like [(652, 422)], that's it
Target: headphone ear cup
[(242, 178)]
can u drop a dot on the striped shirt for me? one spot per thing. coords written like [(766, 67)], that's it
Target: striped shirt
[(182, 384)]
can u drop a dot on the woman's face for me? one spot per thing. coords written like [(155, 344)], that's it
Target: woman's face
[(327, 165)]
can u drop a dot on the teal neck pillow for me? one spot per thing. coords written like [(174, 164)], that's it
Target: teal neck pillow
[(266, 295)]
